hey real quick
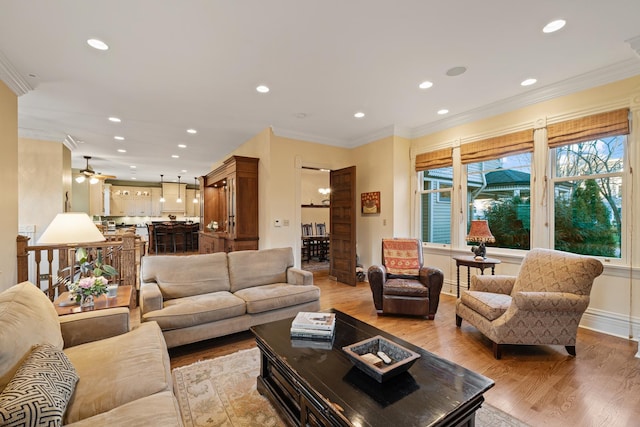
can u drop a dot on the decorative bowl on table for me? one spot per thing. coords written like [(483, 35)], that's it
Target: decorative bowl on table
[(400, 358)]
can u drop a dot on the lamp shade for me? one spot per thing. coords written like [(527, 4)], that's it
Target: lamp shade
[(69, 228), (479, 232)]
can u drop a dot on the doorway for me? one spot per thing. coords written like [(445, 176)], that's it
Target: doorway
[(315, 220)]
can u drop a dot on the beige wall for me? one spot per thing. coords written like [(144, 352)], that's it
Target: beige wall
[(44, 180), (9, 180)]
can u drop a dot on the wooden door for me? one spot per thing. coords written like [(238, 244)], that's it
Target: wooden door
[(343, 225)]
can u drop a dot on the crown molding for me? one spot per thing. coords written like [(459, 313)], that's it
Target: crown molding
[(385, 132), (635, 44), (12, 78), (601, 76)]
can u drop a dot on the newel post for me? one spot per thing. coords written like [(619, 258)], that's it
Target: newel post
[(22, 242), (128, 266)]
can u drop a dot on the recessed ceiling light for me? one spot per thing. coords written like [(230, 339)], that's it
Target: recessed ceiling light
[(528, 82), (175, 156), (554, 26), (97, 44), (120, 150), (182, 146), (425, 84), (456, 71), (262, 89), (133, 166), (443, 111), (300, 115), (184, 171), (114, 119), (359, 115), (192, 131), (133, 177), (119, 138)]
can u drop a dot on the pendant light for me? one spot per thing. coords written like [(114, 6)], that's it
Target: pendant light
[(161, 188), (178, 200), (195, 190)]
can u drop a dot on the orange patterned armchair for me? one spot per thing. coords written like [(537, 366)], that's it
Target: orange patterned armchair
[(542, 305), (402, 285)]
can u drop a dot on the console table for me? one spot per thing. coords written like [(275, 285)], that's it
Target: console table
[(314, 383), (470, 261)]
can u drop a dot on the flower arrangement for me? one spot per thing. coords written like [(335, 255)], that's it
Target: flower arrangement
[(93, 277), (89, 286)]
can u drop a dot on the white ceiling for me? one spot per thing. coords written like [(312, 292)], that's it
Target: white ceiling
[(174, 65)]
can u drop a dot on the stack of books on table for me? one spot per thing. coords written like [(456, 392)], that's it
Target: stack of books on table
[(313, 326)]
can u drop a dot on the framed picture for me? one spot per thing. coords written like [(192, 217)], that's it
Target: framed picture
[(370, 203)]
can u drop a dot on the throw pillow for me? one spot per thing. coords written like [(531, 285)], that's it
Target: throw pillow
[(38, 393)]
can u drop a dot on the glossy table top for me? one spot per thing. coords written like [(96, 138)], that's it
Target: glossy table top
[(431, 390)]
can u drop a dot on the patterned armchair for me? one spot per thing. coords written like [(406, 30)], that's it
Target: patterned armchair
[(402, 285), (542, 305)]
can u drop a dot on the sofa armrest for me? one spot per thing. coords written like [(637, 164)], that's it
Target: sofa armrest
[(80, 328), (551, 301), (498, 284), (150, 298), (433, 279), (377, 275), (297, 276)]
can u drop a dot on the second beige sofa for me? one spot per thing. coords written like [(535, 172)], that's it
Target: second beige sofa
[(197, 297)]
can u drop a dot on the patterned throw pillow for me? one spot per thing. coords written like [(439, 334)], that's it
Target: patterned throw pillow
[(401, 256), (39, 392)]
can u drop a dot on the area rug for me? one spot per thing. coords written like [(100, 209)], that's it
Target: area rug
[(222, 392)]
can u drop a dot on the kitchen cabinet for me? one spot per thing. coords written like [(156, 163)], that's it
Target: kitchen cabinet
[(230, 197), (96, 199)]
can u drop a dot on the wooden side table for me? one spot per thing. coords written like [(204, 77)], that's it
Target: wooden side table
[(123, 299), (470, 261)]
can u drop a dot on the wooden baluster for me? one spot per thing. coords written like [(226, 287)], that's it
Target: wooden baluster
[(22, 243)]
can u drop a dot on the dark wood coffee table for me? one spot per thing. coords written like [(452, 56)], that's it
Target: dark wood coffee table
[(316, 386)]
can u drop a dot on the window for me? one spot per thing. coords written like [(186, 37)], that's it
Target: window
[(499, 191), (435, 204), (587, 181)]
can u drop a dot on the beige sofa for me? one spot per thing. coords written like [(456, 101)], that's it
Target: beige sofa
[(204, 296), (85, 369)]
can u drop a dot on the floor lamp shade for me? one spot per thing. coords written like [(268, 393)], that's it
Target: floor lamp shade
[(70, 228)]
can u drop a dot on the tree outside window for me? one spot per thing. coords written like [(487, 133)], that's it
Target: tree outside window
[(499, 191), (587, 179)]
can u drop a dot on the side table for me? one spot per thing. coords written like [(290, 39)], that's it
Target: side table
[(470, 261), (123, 299)]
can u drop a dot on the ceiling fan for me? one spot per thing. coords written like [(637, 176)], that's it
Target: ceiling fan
[(88, 172)]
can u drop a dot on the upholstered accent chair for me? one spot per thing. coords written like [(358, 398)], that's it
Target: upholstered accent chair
[(402, 285), (542, 305)]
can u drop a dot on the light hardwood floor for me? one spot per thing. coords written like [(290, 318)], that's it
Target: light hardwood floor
[(540, 385)]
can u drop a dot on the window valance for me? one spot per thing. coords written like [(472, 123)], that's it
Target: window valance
[(499, 146), (434, 159), (589, 128)]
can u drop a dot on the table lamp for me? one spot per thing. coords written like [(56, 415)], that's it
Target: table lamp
[(70, 228), (479, 232)]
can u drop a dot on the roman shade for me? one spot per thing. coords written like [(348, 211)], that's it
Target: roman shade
[(588, 128), (434, 159), (498, 146)]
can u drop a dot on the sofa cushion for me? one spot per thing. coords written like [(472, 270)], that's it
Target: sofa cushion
[(489, 305), (27, 318), (158, 410), (262, 267), (198, 309), (39, 392), (405, 288), (185, 276), (278, 295), (118, 370)]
